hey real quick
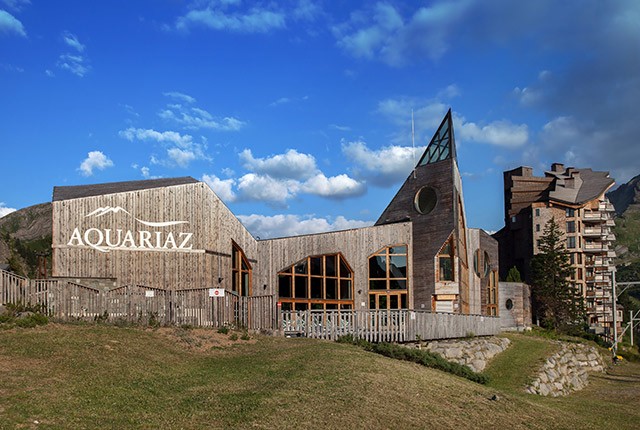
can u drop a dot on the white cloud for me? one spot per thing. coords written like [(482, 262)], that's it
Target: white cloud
[(291, 165), (217, 17), (162, 137), (336, 187), (16, 5), (267, 189), (222, 187), (266, 227), (181, 151), (384, 167), (182, 157), (72, 40), (382, 32), (4, 210), (11, 25), (280, 101), (74, 64), (180, 96), (306, 10), (339, 127), (499, 133), (196, 118), (95, 160)]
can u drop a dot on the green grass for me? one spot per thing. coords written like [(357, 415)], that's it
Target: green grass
[(516, 366), (97, 376)]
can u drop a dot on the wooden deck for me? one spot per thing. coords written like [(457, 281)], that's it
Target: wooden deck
[(69, 301), (386, 325)]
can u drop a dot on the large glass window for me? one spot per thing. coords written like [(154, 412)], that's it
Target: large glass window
[(317, 282), (492, 294), (388, 278), (241, 272), (445, 262)]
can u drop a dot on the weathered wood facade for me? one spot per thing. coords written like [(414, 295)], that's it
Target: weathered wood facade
[(131, 237), (175, 235)]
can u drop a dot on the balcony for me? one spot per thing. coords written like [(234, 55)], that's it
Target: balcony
[(594, 232), (598, 263), (607, 207), (595, 217), (595, 247)]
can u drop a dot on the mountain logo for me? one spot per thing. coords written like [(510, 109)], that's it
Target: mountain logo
[(109, 209)]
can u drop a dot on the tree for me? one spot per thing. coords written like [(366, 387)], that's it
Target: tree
[(514, 275), (557, 302)]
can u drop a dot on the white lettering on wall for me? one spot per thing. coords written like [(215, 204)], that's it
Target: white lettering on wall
[(105, 240)]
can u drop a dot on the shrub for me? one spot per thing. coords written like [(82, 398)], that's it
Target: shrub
[(419, 356), (223, 330), (233, 337), (245, 336)]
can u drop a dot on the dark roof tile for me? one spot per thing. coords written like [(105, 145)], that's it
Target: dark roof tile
[(80, 191)]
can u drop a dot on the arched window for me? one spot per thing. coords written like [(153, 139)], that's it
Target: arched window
[(316, 282), (240, 272), (388, 278), (445, 262)]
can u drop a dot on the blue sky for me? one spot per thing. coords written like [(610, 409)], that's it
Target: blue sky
[(298, 113)]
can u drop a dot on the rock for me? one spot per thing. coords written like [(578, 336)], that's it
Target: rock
[(478, 365), (544, 390), (26, 314)]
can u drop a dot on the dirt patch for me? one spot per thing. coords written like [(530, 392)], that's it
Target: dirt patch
[(202, 339)]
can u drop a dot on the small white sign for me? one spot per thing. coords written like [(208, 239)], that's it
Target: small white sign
[(216, 292), (149, 293)]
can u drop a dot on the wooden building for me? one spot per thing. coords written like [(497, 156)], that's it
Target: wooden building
[(176, 234)]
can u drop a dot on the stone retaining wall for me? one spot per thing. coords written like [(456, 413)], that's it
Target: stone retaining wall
[(566, 370), (474, 353)]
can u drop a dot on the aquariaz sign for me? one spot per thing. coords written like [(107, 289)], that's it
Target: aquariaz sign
[(151, 239)]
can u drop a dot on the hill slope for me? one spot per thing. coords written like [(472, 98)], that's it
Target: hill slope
[(24, 234), (96, 376)]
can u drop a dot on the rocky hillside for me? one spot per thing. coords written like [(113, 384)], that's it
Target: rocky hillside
[(626, 200), (626, 197), (23, 235)]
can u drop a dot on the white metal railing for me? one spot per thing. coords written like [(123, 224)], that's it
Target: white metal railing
[(385, 325)]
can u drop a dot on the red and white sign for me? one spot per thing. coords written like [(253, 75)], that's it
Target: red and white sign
[(216, 292)]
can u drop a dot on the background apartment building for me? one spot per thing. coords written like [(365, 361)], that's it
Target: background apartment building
[(576, 199)]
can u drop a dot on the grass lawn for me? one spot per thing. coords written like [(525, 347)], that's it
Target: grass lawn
[(94, 376)]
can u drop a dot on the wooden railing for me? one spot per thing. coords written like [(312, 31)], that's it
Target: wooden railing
[(386, 325), (69, 301)]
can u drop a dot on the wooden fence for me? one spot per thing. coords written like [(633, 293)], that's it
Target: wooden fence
[(386, 325), (69, 301)]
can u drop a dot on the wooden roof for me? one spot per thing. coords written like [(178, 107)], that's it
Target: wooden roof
[(80, 191)]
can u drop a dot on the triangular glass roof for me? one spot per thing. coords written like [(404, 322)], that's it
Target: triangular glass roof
[(443, 144)]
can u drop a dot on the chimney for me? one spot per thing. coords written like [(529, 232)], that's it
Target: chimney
[(557, 167)]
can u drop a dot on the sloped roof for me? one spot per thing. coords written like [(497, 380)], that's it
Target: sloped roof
[(578, 186), (80, 191)]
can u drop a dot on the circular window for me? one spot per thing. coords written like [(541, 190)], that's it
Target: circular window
[(425, 200), (476, 263), (509, 304), (487, 263)]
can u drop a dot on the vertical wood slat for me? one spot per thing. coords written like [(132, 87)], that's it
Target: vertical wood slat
[(386, 325)]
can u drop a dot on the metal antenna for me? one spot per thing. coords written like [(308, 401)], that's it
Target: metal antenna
[(413, 144)]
